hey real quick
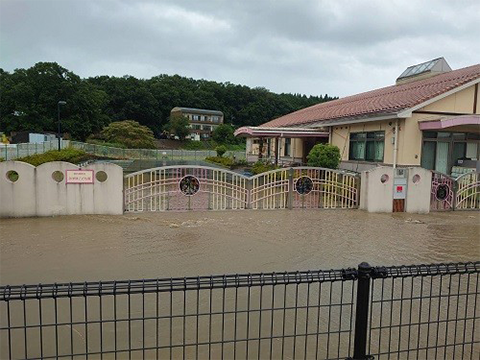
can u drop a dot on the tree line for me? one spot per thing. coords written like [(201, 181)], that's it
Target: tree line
[(29, 100)]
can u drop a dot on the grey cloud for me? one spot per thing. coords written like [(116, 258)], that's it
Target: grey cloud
[(312, 47)]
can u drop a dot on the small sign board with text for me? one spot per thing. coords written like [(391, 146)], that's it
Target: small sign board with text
[(79, 177)]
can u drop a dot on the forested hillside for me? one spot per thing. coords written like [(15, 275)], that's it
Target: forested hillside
[(29, 100)]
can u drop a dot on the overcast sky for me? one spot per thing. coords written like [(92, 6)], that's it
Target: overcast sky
[(298, 46)]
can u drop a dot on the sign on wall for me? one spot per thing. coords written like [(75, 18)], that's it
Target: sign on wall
[(79, 177)]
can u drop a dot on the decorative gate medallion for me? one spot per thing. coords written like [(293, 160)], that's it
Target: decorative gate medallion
[(189, 185), (304, 185), (442, 192)]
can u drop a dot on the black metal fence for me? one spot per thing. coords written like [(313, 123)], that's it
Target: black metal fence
[(424, 311)]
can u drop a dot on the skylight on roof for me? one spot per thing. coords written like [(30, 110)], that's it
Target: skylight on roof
[(419, 68)]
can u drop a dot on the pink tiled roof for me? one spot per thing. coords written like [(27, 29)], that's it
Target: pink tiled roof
[(390, 99)]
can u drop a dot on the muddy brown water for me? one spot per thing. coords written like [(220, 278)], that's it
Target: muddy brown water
[(156, 245), (175, 244)]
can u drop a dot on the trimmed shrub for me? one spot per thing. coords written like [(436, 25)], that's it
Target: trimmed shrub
[(261, 167), (224, 161), (72, 155), (324, 155)]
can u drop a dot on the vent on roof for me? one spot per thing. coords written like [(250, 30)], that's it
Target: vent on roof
[(424, 70)]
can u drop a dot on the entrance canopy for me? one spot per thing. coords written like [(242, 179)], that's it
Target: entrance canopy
[(280, 132), (470, 123)]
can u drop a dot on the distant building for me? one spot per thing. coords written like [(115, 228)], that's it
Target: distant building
[(28, 137), (202, 121)]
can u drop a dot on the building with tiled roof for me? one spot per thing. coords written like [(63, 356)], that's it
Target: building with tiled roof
[(430, 117)]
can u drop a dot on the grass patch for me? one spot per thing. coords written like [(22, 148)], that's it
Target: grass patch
[(71, 155), (196, 145), (104, 143)]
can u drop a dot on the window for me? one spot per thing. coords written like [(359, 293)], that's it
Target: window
[(441, 150), (196, 118), (207, 128), (288, 146), (367, 146)]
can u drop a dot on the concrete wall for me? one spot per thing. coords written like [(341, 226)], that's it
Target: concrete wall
[(37, 193), (357, 166), (419, 184), (376, 196), (17, 198)]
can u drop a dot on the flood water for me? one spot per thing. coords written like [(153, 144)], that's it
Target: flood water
[(156, 245)]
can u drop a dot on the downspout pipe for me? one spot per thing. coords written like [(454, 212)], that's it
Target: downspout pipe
[(395, 145)]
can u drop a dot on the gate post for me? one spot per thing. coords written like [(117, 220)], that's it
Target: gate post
[(290, 188), (454, 193), (361, 314)]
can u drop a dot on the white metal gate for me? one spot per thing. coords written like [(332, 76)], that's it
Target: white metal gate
[(187, 187)]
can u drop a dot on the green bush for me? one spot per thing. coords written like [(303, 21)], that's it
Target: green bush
[(194, 145), (324, 155), (72, 155), (241, 162), (224, 161), (261, 167), (221, 150), (130, 134)]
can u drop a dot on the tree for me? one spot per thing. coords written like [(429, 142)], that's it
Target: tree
[(324, 155), (221, 150), (29, 100), (223, 134), (130, 134), (30, 97), (179, 126)]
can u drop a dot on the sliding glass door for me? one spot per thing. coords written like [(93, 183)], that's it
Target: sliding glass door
[(441, 157)]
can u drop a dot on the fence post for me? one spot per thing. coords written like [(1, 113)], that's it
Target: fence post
[(361, 314), (454, 194), (290, 188)]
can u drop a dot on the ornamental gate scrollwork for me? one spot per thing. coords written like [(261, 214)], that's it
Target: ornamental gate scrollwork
[(467, 195), (207, 188), (442, 192), (462, 193)]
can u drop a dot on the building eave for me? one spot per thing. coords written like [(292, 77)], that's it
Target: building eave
[(290, 132)]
